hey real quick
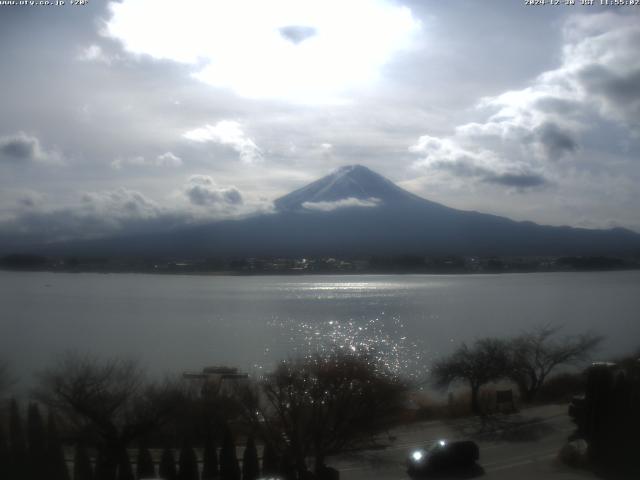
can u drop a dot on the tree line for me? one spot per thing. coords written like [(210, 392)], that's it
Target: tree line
[(527, 360), (35, 451), (109, 412), (31, 452)]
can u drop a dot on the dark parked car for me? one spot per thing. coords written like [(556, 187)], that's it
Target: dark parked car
[(442, 457)]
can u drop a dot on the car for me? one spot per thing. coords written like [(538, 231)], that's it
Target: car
[(443, 456)]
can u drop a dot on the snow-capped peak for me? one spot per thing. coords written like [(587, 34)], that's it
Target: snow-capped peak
[(347, 182)]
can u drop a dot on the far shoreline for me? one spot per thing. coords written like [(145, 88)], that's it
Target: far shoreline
[(311, 274), (400, 264)]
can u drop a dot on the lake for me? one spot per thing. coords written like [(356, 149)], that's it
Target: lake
[(174, 322)]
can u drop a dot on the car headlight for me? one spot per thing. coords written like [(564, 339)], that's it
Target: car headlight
[(417, 456)]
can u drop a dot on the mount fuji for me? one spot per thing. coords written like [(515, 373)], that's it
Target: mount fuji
[(357, 212), (352, 181)]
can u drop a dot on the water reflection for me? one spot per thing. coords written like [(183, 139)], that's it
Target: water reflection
[(175, 322), (357, 289), (384, 339)]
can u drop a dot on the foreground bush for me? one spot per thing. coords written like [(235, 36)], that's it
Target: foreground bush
[(316, 406), (561, 388), (608, 417)]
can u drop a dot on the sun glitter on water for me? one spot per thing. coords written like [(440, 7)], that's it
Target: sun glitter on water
[(383, 339)]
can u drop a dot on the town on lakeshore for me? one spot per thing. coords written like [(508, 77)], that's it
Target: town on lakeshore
[(321, 265)]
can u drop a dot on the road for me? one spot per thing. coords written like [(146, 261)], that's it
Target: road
[(521, 446)]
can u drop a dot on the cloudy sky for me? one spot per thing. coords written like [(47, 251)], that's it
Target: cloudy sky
[(144, 114)]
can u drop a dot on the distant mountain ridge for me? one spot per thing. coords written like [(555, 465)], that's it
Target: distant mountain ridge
[(328, 218)]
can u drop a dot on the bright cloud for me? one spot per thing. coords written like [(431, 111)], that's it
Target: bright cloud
[(302, 50), (227, 132), (344, 203), (445, 154), (528, 131), (94, 53), (167, 159), (598, 75)]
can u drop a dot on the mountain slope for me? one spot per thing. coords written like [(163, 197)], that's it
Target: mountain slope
[(354, 211), (351, 181)]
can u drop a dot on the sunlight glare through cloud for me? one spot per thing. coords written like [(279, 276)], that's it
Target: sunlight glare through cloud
[(300, 50)]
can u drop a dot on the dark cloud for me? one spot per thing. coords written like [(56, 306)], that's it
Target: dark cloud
[(202, 191), (468, 169), (517, 180), (27, 202), (463, 167), (445, 155), (121, 203), (20, 148), (119, 212), (297, 33), (203, 196), (555, 140), (557, 105), (621, 89), (232, 195), (99, 214), (30, 200)]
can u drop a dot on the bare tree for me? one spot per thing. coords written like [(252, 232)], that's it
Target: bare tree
[(109, 400), (486, 361), (323, 404), (535, 354)]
